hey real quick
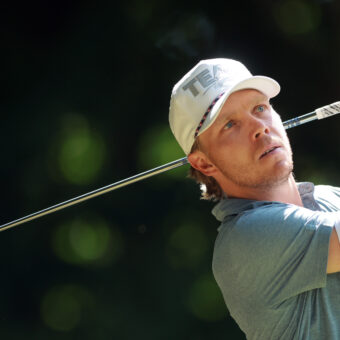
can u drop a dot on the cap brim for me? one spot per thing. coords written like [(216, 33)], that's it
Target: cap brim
[(266, 85)]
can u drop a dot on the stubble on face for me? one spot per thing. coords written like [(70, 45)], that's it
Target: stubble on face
[(243, 177), (251, 177)]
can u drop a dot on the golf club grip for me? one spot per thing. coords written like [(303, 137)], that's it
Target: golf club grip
[(321, 113), (328, 110)]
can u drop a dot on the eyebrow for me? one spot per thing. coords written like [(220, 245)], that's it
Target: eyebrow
[(229, 114), (226, 116)]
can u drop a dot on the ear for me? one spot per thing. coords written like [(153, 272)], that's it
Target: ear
[(202, 163)]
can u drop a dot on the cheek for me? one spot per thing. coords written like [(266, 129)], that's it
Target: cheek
[(231, 147), (232, 153)]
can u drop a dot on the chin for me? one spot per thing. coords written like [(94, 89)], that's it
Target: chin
[(281, 176), (274, 177)]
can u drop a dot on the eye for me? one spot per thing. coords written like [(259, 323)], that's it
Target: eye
[(229, 125), (260, 108)]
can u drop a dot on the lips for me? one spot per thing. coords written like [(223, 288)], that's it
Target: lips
[(268, 150)]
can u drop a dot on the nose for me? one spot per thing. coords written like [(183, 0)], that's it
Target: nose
[(259, 128)]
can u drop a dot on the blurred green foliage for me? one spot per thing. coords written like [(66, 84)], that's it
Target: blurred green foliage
[(187, 244), (297, 17), (205, 300), (157, 147), (60, 310), (81, 155), (87, 240)]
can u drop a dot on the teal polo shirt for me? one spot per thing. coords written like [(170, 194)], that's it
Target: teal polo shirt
[(270, 262)]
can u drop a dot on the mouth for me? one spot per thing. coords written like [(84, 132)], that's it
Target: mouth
[(269, 150)]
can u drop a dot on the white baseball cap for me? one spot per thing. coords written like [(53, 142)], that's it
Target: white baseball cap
[(197, 99)]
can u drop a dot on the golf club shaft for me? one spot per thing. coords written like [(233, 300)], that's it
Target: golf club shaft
[(323, 112)]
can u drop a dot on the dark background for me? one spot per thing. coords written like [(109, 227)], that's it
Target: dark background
[(86, 89)]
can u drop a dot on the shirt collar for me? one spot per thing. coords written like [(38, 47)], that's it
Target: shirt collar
[(233, 206)]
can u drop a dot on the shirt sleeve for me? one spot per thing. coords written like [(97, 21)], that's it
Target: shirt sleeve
[(273, 253)]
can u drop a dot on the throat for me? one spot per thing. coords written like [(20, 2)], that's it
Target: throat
[(286, 192)]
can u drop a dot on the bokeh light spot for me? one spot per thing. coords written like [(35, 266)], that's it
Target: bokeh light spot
[(158, 146), (84, 241), (205, 300), (89, 241), (296, 17), (81, 153), (60, 309), (187, 245)]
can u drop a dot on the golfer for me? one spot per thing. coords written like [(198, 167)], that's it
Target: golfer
[(277, 254)]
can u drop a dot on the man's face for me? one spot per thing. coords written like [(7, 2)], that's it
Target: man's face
[(247, 144)]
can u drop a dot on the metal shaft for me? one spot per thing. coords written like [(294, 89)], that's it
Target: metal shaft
[(172, 165), (97, 192), (308, 117)]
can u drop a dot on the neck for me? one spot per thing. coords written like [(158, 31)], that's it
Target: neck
[(287, 192)]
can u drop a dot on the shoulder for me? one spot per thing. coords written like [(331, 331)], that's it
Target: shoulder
[(326, 190), (277, 217), (328, 197), (275, 227), (255, 248)]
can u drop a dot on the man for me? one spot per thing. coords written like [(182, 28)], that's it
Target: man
[(277, 253)]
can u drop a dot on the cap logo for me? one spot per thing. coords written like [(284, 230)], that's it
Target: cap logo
[(207, 80), (204, 78)]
